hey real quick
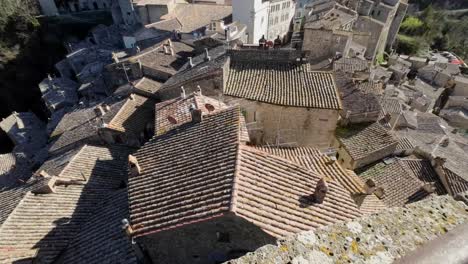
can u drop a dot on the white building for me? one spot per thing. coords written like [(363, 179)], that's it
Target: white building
[(264, 18)]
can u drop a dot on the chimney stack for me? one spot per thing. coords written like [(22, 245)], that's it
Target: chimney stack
[(379, 192), (370, 186), (321, 190), (99, 111), (135, 169), (127, 227), (190, 62), (182, 93), (171, 49), (197, 116), (48, 186), (169, 43), (166, 50), (439, 161), (429, 187), (207, 55), (199, 92)]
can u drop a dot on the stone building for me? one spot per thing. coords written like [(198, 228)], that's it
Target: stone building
[(115, 120), (403, 181), (27, 132), (285, 102), (72, 206), (331, 34), (58, 93), (264, 19), (360, 145), (218, 204), (53, 8), (158, 62), (461, 86), (440, 74), (382, 19), (455, 111), (361, 100)]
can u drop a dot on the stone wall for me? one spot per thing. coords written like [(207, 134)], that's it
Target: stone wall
[(323, 44), (348, 162), (209, 242), (379, 238), (395, 26), (367, 24), (298, 126)]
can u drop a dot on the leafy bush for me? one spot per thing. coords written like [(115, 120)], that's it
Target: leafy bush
[(412, 25)]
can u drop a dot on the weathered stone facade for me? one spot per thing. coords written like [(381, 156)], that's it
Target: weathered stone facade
[(210, 242), (285, 125)]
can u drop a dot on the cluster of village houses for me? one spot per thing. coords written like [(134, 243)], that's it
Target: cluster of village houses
[(198, 132)]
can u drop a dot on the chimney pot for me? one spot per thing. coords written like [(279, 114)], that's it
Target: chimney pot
[(135, 168), (190, 62), (439, 161), (199, 91), (166, 50), (321, 190), (182, 94), (99, 111), (197, 116), (207, 55), (370, 186)]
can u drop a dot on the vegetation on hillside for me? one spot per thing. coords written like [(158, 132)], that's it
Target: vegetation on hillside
[(435, 30)]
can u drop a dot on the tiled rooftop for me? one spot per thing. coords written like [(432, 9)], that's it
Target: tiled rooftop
[(362, 140), (287, 84), (176, 112), (101, 239), (351, 65), (184, 183), (48, 222), (147, 85), (333, 19), (201, 67), (155, 57), (357, 98), (402, 180), (321, 164), (196, 16)]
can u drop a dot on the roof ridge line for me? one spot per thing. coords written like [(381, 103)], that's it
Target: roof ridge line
[(72, 160)]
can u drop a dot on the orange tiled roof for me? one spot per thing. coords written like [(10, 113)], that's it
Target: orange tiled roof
[(282, 83), (201, 171)]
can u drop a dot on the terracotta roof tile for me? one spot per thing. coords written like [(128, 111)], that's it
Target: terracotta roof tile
[(148, 85), (201, 170), (48, 222), (456, 183), (279, 83), (101, 239), (176, 112), (269, 190), (134, 115), (401, 186), (361, 141), (351, 65)]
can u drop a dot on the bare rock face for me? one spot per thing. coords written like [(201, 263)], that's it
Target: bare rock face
[(378, 238)]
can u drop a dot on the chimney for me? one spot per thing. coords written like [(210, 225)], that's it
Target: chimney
[(99, 111), (379, 192), (135, 169), (48, 186), (172, 51), (439, 161), (321, 190), (138, 49), (429, 187), (166, 49), (330, 161), (370, 187), (199, 90), (207, 55), (127, 227), (444, 142), (169, 43), (182, 94), (190, 62), (197, 116)]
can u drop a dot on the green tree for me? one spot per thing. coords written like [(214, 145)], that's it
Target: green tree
[(412, 25)]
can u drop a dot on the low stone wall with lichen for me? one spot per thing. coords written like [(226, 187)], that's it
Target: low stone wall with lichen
[(378, 238)]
